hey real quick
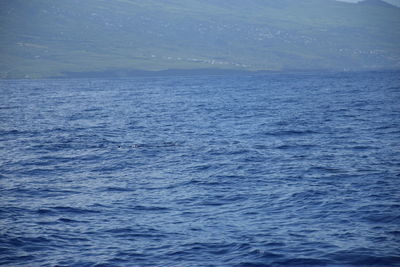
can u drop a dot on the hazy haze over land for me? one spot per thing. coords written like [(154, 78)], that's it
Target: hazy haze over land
[(45, 38)]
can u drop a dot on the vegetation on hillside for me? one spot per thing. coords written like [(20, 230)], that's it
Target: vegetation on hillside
[(48, 38)]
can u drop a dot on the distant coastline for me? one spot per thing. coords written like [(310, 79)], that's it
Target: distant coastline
[(121, 73), (131, 73)]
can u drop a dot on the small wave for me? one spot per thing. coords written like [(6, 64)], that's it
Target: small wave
[(117, 189), (323, 169), (362, 147), (291, 133), (17, 260), (295, 146), (66, 210), (120, 230), (10, 107), (150, 208), (67, 220), (15, 132), (363, 257), (303, 262), (382, 218), (35, 240), (74, 210), (129, 232), (45, 211), (155, 145)]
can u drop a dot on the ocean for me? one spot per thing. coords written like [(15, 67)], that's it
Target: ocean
[(299, 169)]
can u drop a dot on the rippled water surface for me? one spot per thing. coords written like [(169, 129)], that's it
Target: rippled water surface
[(276, 170)]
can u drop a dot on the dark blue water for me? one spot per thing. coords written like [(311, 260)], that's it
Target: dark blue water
[(276, 170)]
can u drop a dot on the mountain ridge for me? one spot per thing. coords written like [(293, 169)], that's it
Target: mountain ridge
[(377, 3)]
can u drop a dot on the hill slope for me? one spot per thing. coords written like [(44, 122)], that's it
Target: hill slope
[(45, 38)]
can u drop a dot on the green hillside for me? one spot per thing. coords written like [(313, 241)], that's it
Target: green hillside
[(48, 38)]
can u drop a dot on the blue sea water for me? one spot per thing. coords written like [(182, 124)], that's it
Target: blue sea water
[(259, 170)]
